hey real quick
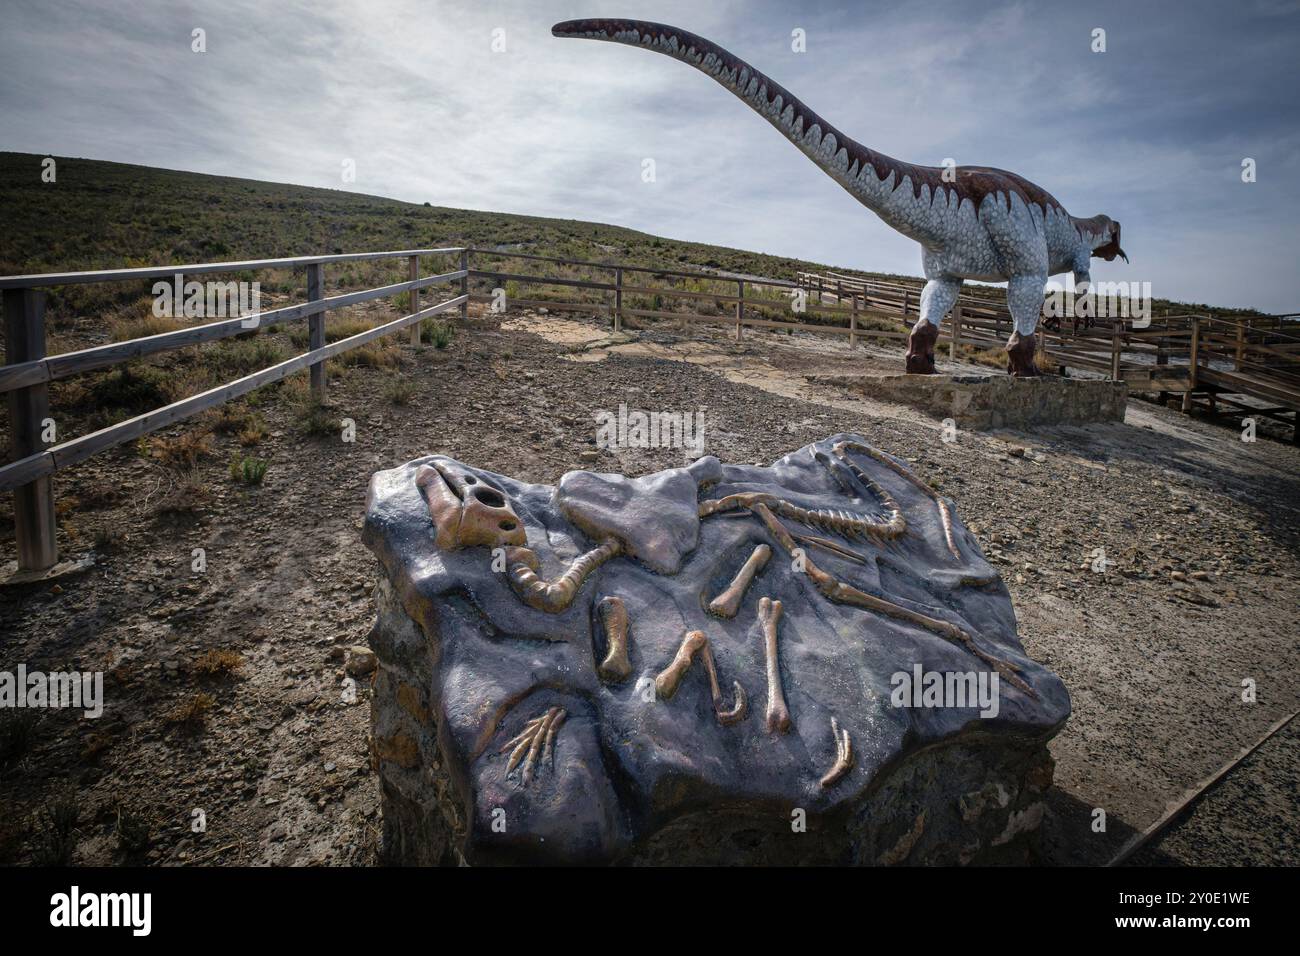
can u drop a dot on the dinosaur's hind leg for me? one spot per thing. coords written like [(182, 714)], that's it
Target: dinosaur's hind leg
[(938, 296), (1025, 302)]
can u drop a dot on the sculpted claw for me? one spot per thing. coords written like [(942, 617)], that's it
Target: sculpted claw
[(843, 756), (536, 741)]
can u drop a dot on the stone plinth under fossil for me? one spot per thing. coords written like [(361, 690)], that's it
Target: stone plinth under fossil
[(997, 401), (634, 684)]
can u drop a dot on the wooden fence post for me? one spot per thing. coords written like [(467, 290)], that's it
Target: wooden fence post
[(28, 409), (853, 324), (1162, 360), (618, 300), (414, 273), (1241, 343), (1193, 360), (316, 327), (1194, 357), (1114, 350), (740, 307), (956, 333), (906, 295), (464, 284)]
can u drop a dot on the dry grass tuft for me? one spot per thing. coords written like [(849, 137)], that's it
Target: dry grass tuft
[(183, 452), (217, 662), (192, 712)]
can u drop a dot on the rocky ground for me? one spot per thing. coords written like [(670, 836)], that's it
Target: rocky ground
[(1198, 534)]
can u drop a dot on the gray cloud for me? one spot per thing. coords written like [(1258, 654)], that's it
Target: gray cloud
[(1152, 132)]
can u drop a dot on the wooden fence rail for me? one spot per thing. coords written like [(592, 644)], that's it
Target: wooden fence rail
[(27, 372), (1176, 354), (1171, 354)]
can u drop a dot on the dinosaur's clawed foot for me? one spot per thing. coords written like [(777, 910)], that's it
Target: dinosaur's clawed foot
[(920, 348), (536, 741), (1020, 356)]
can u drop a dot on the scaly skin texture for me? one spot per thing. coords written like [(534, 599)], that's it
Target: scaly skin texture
[(972, 222)]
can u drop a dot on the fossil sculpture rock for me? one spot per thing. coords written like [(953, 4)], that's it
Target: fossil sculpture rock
[(570, 688)]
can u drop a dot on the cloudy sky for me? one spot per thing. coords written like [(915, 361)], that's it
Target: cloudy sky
[(1151, 132)]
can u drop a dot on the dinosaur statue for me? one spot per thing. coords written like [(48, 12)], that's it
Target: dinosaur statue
[(972, 222)]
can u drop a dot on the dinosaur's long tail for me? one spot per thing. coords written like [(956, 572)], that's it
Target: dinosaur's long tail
[(843, 159)]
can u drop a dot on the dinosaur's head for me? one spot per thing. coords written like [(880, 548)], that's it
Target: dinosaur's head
[(1109, 241)]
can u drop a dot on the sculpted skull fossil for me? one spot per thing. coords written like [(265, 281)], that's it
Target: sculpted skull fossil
[(468, 512)]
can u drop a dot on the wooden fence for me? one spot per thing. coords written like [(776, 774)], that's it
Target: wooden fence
[(1214, 358), (1235, 364), (28, 370)]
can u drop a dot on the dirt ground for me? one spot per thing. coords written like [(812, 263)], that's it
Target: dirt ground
[(1201, 592)]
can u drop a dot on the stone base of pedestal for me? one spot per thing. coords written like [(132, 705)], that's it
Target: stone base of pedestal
[(996, 401), (972, 801)]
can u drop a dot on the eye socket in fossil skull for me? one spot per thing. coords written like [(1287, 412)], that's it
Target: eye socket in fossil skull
[(468, 512)]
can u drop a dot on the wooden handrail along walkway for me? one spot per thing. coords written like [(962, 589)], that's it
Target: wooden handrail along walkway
[(1234, 361)]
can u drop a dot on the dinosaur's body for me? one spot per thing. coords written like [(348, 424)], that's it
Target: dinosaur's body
[(972, 222)]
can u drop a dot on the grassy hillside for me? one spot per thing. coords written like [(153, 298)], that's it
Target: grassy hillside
[(109, 215), (102, 215)]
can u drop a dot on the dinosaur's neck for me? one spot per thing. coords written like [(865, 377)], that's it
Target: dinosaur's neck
[(926, 211)]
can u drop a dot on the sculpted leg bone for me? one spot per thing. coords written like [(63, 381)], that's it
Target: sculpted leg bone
[(778, 715), (694, 645), (727, 603), (616, 667)]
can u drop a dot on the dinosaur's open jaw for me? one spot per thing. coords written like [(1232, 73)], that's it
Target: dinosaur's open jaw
[(1111, 248)]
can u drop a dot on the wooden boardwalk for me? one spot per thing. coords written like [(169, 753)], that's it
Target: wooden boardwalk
[(1239, 366)]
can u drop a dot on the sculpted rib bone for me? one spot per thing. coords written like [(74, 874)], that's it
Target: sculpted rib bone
[(841, 593), (841, 450), (613, 615), (972, 222), (827, 544), (696, 644), (847, 524), (727, 603)]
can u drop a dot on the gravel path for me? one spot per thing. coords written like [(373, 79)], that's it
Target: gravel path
[(1201, 593)]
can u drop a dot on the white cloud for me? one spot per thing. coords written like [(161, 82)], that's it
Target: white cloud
[(414, 94)]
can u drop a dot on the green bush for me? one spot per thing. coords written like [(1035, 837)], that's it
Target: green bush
[(400, 391), (437, 332), (248, 471)]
